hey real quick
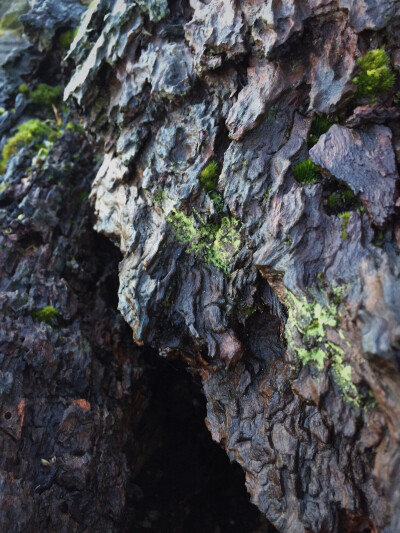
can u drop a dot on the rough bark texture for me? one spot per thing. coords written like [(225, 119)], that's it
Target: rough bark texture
[(281, 296)]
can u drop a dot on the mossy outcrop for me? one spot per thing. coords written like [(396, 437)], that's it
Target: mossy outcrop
[(247, 174)]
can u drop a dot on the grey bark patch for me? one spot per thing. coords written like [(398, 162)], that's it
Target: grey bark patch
[(365, 160)]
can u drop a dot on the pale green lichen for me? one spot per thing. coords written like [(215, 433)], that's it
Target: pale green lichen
[(342, 373), (216, 244), (310, 319), (226, 244)]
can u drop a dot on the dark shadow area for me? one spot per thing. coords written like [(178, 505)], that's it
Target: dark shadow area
[(184, 482)]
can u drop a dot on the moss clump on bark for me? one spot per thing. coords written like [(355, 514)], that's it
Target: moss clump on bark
[(375, 75), (27, 132), (23, 88), (65, 39), (45, 95), (319, 126), (306, 172), (48, 314), (209, 176)]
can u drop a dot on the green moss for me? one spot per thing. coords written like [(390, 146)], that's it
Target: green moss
[(27, 132), (71, 126), (306, 172), (65, 39), (379, 239), (209, 176), (334, 201), (82, 197), (45, 94), (249, 311), (342, 201), (215, 244), (23, 88), (159, 195), (319, 126), (218, 201), (348, 195), (375, 75), (48, 314)]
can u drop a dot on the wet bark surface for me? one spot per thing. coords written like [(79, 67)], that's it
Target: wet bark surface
[(252, 191)]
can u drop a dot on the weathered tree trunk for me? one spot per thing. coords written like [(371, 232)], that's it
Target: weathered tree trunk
[(249, 176)]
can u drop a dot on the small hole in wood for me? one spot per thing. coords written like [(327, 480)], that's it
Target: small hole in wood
[(64, 507)]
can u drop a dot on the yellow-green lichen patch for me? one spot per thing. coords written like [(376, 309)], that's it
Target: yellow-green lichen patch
[(216, 244), (306, 330), (226, 244), (342, 373)]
